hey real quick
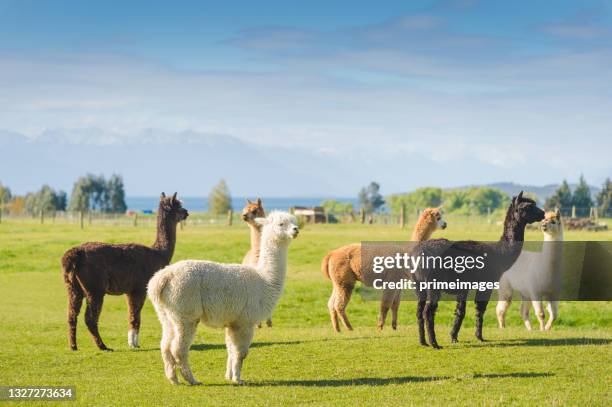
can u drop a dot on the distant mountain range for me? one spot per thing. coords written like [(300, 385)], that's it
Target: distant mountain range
[(191, 162)]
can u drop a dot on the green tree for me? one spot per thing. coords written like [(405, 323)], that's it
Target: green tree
[(604, 197), (115, 195), (581, 198), (370, 198), (5, 196), (418, 199), (80, 197), (481, 199), (333, 206), (219, 199), (45, 199), (562, 198), (93, 192)]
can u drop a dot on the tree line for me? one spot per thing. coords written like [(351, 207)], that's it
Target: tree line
[(474, 200), (89, 193)]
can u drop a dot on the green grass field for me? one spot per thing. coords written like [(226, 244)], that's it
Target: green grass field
[(300, 359)]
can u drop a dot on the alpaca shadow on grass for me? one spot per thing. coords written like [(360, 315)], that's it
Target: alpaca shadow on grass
[(384, 381), (211, 346), (543, 342), (360, 381)]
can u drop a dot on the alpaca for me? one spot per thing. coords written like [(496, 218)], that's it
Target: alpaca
[(230, 296), (250, 212), (429, 221), (92, 270), (343, 267), (536, 276), (500, 257)]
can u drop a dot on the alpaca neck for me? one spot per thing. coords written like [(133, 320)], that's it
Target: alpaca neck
[(514, 231), (166, 235), (422, 231), (552, 249), (511, 242), (255, 242), (272, 264)]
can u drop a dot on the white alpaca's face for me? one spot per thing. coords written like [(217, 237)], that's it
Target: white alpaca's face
[(551, 225), (282, 224)]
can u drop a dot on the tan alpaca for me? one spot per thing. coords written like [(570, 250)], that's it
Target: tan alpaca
[(250, 212), (343, 267)]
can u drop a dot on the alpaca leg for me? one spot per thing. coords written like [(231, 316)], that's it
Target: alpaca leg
[(500, 310), (553, 313), (332, 311), (230, 352), (385, 303), (135, 303), (184, 332), (75, 300), (342, 300), (430, 315), (241, 338), (165, 346), (482, 300), (421, 321), (525, 307), (92, 315), (269, 322), (395, 309), (538, 309), (459, 315)]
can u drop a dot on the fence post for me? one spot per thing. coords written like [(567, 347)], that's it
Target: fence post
[(81, 216), (362, 215), (42, 216), (403, 216), (135, 219), (573, 211), (230, 214)]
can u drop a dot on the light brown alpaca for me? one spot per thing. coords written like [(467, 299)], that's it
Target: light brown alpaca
[(343, 267), (250, 212)]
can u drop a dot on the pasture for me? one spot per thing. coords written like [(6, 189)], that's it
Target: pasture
[(300, 359)]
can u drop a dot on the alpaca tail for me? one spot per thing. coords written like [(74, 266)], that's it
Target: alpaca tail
[(70, 263), (156, 286), (325, 266)]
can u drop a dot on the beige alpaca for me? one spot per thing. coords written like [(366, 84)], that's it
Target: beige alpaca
[(536, 276), (343, 267), (250, 212)]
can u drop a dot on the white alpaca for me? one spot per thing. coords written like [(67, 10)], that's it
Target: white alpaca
[(230, 296), (537, 276)]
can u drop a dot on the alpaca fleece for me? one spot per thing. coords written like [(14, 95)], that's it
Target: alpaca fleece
[(93, 270), (230, 296), (343, 267), (501, 255)]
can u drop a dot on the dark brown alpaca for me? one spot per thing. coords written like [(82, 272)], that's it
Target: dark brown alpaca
[(500, 257), (92, 270)]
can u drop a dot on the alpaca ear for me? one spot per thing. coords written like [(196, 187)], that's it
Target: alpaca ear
[(558, 212), (520, 196), (174, 197), (163, 195), (261, 221), (258, 201), (248, 201)]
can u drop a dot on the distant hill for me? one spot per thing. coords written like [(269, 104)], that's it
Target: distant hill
[(541, 192)]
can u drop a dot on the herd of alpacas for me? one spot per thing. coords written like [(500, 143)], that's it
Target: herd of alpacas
[(238, 297)]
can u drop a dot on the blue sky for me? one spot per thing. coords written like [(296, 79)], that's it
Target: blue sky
[(520, 87)]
